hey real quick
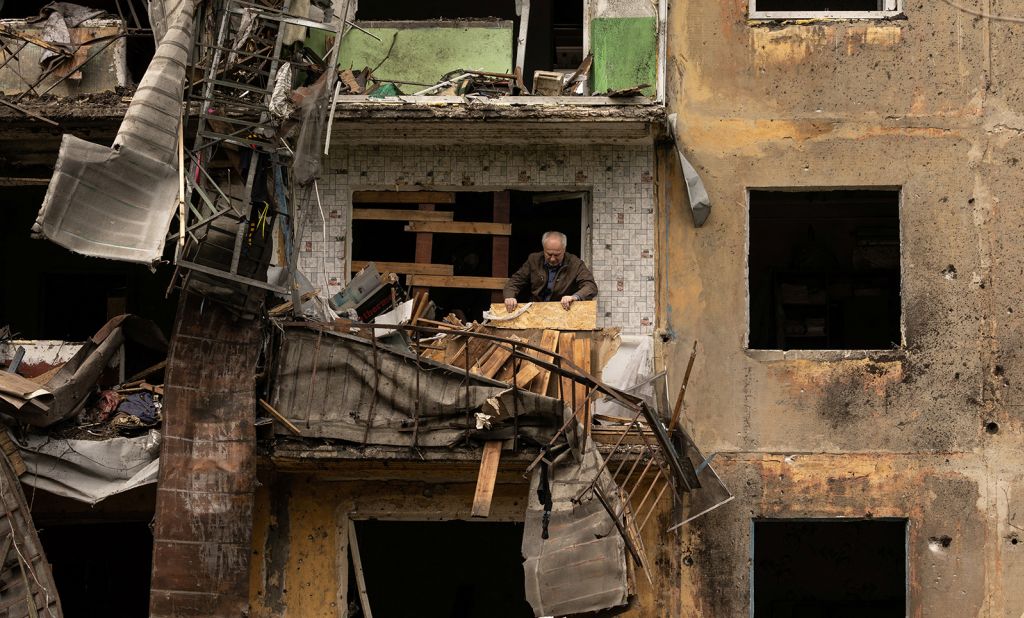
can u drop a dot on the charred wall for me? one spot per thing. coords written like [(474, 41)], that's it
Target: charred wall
[(927, 104)]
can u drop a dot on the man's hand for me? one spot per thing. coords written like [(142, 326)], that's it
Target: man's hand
[(511, 304), (567, 302)]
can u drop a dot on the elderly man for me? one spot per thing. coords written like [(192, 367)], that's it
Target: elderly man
[(551, 275)]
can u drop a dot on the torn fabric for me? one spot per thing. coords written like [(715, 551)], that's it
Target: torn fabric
[(700, 202), (117, 202), (90, 470)]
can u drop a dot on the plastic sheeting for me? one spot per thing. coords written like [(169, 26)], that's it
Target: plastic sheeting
[(117, 202), (87, 470)]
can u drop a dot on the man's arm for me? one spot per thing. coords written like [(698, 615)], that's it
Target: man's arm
[(587, 287), (519, 281)]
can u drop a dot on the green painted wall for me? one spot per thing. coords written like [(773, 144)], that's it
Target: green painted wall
[(424, 54), (625, 52)]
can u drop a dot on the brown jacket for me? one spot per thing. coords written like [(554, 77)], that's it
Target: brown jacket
[(574, 277)]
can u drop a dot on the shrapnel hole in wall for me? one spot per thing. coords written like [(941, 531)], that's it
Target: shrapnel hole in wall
[(824, 270), (829, 567)]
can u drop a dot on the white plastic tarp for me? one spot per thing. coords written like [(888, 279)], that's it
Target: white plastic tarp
[(90, 470)]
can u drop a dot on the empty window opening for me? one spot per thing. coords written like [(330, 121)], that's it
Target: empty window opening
[(823, 6), (438, 580), (828, 567), (52, 293), (101, 569), (462, 246), (824, 270)]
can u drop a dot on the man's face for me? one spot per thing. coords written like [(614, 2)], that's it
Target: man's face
[(554, 251)]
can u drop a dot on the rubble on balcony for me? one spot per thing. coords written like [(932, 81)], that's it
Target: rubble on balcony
[(603, 458), (82, 429)]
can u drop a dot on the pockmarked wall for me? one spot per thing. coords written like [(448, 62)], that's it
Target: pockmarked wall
[(619, 180), (930, 431)]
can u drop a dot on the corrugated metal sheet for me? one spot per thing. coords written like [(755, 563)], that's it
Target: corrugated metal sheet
[(331, 387), (581, 566), (116, 202)]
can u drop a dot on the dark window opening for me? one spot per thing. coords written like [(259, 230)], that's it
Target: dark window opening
[(487, 259), (52, 293), (554, 36), (834, 6), (824, 270), (437, 580), (835, 568)]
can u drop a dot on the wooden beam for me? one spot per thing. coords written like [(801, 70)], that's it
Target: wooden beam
[(485, 478), (280, 418), (393, 214), (489, 366), (148, 371), (403, 197), (477, 283), (357, 566), (461, 227), (500, 244), (424, 246), (406, 268)]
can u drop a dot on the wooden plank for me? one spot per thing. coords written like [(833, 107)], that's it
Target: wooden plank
[(581, 356), (280, 418), (565, 348), (461, 227), (491, 363), (391, 214), (532, 373), (403, 197), (582, 315), (424, 245), (548, 342), (485, 478), (449, 281), (342, 566), (357, 565), (406, 268), (502, 210)]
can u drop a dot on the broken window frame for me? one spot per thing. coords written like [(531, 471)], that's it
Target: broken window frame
[(820, 352), (586, 98), (890, 8)]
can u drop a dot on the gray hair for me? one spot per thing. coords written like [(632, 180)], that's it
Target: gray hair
[(558, 235)]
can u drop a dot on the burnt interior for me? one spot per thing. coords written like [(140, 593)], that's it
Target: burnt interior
[(824, 270), (436, 578), (829, 567)]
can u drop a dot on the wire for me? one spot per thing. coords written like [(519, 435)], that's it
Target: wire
[(960, 7)]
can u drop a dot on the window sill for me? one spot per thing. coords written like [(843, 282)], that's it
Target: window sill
[(758, 17), (894, 354)]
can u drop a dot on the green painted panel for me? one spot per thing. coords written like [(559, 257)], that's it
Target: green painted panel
[(625, 52), (424, 54)]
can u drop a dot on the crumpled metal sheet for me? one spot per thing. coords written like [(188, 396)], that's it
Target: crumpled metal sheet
[(700, 201), (581, 566), (90, 470), (329, 385), (117, 202), (69, 387)]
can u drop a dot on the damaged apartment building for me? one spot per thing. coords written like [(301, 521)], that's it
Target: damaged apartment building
[(255, 358)]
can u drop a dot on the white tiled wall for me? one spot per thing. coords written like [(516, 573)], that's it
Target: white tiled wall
[(620, 180)]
